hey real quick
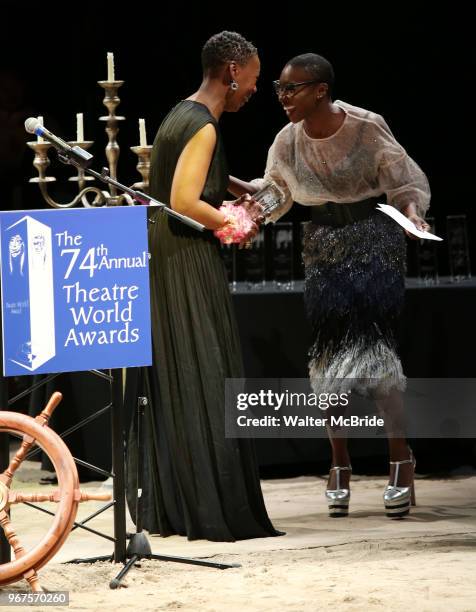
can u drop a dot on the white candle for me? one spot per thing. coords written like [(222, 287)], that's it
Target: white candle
[(79, 127), (142, 134), (39, 138), (110, 67)]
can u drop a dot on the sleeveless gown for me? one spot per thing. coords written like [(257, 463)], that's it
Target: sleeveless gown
[(196, 482)]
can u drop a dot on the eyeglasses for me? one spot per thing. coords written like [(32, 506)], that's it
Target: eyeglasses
[(290, 88)]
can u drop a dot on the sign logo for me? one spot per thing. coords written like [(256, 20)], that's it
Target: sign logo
[(75, 290), (31, 299)]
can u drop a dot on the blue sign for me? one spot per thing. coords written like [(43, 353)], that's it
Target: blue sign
[(75, 289)]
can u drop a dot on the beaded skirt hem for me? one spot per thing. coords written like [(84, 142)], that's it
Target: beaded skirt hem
[(354, 290)]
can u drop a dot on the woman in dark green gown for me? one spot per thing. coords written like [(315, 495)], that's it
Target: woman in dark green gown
[(196, 482)]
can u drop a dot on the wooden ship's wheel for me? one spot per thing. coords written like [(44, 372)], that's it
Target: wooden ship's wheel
[(68, 495)]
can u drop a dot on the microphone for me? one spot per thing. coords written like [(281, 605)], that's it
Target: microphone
[(71, 155)]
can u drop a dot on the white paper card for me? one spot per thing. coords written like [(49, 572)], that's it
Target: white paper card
[(405, 222)]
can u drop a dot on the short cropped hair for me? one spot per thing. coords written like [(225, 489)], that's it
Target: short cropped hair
[(223, 48), (317, 67)]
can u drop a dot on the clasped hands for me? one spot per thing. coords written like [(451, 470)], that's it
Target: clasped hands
[(241, 228), (255, 210)]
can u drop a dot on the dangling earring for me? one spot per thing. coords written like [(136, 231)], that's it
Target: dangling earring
[(234, 85)]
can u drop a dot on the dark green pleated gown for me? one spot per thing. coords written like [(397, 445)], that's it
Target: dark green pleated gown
[(196, 482)]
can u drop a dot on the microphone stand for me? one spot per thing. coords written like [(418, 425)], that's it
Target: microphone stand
[(73, 159), (139, 546)]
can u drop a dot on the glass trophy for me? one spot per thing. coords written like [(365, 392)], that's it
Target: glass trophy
[(458, 247), (283, 255), (270, 197), (253, 263), (427, 259)]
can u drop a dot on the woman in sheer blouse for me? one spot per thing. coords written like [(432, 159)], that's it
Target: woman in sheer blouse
[(341, 160)]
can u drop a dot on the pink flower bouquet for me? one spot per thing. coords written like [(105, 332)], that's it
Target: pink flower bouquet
[(238, 224)]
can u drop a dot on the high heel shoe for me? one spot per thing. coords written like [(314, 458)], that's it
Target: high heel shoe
[(398, 499), (338, 499)]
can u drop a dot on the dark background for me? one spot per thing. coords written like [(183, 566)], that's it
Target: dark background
[(413, 65)]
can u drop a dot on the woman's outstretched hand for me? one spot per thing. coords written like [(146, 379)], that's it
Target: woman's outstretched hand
[(420, 224), (253, 207), (255, 210)]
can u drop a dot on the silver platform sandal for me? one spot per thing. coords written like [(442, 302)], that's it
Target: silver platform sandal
[(338, 499), (397, 500)]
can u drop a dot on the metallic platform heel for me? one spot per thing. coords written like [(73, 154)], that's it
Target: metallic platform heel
[(397, 499), (338, 499)]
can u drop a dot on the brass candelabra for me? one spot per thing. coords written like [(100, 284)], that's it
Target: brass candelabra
[(102, 197)]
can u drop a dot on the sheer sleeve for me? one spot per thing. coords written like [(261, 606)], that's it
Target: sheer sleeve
[(274, 174), (404, 182), (400, 177)]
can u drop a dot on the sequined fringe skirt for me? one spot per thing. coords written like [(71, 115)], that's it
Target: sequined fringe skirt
[(354, 290)]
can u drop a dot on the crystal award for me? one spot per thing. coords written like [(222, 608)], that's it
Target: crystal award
[(270, 197)]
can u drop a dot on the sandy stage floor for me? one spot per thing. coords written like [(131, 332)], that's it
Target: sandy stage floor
[(364, 562)]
